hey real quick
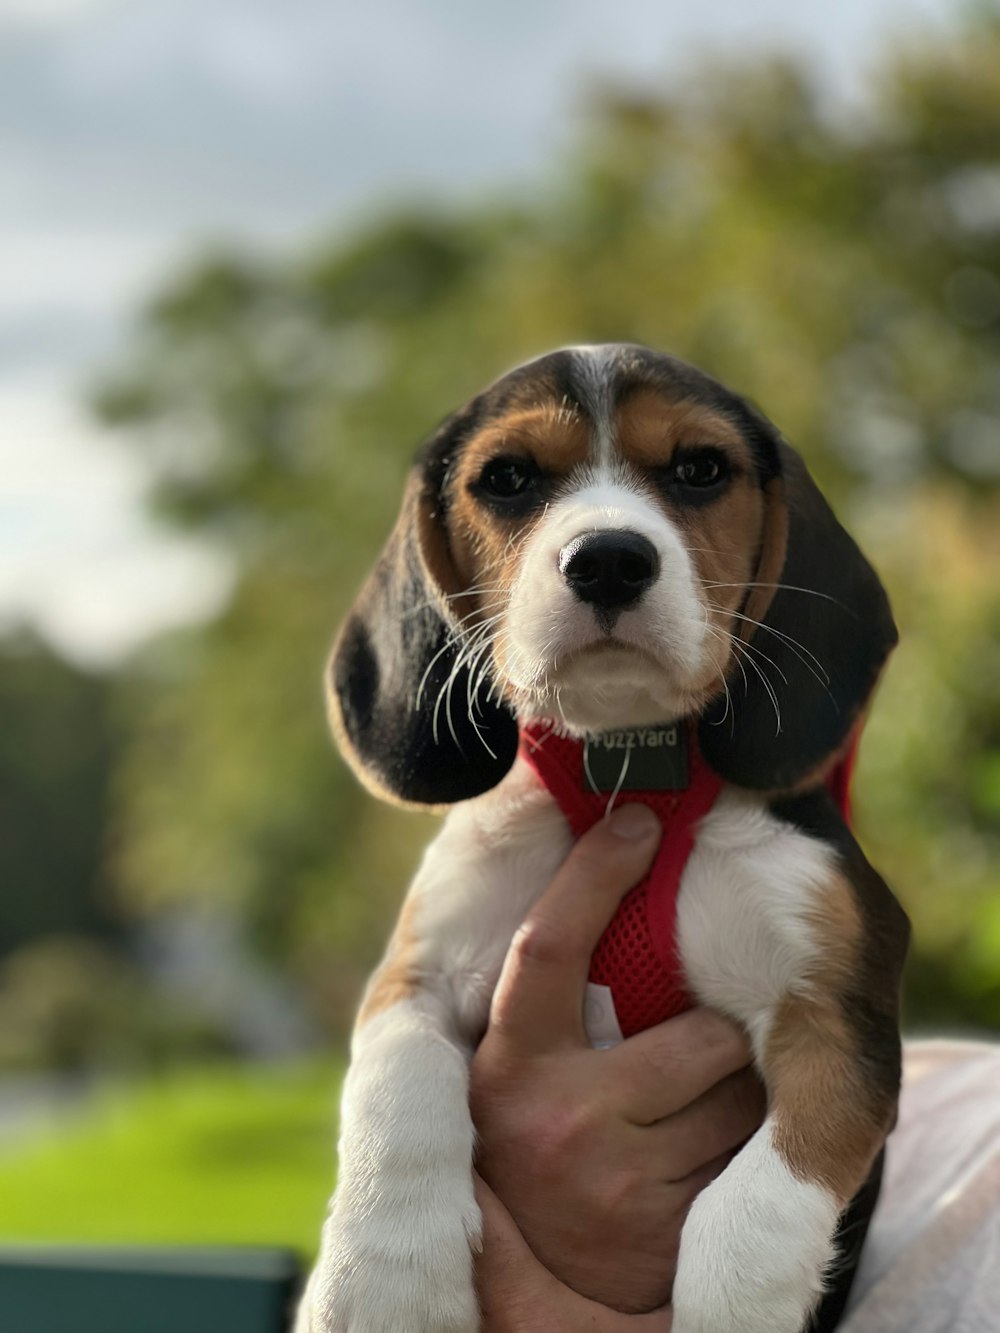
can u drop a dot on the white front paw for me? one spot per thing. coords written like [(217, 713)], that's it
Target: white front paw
[(755, 1248), (404, 1267)]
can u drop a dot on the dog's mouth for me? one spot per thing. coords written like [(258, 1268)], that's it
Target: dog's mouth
[(611, 649), (598, 662), (608, 682)]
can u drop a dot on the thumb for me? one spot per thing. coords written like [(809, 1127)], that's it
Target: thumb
[(538, 1002)]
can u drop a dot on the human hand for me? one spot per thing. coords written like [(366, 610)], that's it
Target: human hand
[(518, 1295), (597, 1155)]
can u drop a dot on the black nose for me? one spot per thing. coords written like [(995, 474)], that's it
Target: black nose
[(610, 569)]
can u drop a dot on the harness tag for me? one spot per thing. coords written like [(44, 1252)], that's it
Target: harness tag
[(599, 1017), (639, 759)]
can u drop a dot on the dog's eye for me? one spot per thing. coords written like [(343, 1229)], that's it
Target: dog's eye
[(508, 478), (699, 470)]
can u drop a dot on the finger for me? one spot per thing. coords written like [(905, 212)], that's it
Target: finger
[(518, 1295), (538, 1002), (716, 1124), (660, 1071), (506, 1270), (684, 1192)]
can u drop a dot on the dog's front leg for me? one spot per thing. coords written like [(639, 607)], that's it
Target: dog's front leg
[(821, 1004), (396, 1253), (758, 1246), (397, 1248)]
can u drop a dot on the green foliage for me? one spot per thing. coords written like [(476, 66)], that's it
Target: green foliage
[(70, 1003), (57, 751), (233, 1156), (848, 279)]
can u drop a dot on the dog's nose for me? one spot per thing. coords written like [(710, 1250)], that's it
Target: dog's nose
[(610, 569)]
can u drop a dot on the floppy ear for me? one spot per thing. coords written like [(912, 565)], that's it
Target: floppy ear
[(825, 625), (399, 708)]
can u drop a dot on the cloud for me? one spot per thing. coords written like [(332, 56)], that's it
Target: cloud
[(49, 13), (133, 131), (77, 558), (257, 114)]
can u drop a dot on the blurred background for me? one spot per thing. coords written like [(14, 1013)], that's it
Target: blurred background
[(250, 253)]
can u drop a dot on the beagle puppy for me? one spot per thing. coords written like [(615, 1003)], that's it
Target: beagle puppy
[(610, 554)]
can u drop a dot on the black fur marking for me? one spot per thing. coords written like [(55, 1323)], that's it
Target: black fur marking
[(828, 633), (424, 751), (358, 683), (848, 1242), (403, 706)]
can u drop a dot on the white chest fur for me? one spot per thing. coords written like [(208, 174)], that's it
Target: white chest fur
[(748, 894), (749, 898)]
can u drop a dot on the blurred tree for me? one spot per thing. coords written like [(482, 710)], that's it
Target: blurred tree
[(846, 276), (57, 750)]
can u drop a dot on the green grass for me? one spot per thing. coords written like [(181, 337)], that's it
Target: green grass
[(234, 1155)]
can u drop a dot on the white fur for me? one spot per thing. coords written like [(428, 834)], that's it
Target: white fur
[(397, 1246), (595, 373), (746, 910), (478, 881), (557, 657), (754, 1249)]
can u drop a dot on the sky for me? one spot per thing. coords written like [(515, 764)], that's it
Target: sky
[(135, 132)]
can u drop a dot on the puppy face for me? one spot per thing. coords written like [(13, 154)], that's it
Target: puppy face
[(607, 537), (605, 519)]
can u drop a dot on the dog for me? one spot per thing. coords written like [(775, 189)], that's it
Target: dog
[(609, 560)]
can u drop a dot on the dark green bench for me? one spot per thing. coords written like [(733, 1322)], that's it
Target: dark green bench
[(56, 1289)]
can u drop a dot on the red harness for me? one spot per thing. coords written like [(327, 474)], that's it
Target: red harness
[(636, 956)]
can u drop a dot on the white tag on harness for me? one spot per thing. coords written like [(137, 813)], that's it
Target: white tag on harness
[(599, 1017)]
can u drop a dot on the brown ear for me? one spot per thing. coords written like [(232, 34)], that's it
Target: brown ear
[(812, 662), (402, 705)]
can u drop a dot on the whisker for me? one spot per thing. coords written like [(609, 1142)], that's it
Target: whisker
[(470, 644), (725, 683), (782, 587), (731, 637), (787, 639), (738, 647), (620, 783), (752, 648), (814, 666), (452, 597)]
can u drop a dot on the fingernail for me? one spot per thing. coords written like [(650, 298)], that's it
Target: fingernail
[(633, 821)]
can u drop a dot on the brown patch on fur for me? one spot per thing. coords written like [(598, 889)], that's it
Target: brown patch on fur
[(396, 978), (723, 539), (485, 547), (650, 427), (730, 540), (836, 922), (557, 438), (434, 550), (829, 1123)]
